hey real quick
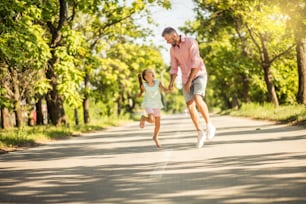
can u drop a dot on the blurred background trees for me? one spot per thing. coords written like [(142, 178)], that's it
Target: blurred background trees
[(63, 55)]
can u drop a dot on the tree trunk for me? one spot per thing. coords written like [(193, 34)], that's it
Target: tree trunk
[(5, 118), (76, 116), (55, 106), (301, 62), (119, 103), (270, 85), (54, 100), (17, 102), (245, 88), (39, 112), (86, 100), (56, 110), (266, 66)]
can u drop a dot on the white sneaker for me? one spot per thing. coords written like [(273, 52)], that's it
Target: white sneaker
[(201, 138), (211, 131)]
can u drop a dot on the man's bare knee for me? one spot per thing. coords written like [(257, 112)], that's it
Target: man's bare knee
[(190, 104)]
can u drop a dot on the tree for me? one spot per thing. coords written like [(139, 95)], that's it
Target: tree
[(42, 41), (296, 10), (259, 26), (117, 76), (111, 24), (23, 54)]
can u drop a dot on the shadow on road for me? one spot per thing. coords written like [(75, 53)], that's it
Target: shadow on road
[(244, 180), (121, 165)]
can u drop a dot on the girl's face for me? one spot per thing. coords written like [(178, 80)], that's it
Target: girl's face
[(149, 75)]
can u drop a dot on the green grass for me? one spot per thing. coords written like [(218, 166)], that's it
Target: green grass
[(15, 138), (295, 114), (31, 136)]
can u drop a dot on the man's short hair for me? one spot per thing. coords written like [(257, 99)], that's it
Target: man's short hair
[(168, 30)]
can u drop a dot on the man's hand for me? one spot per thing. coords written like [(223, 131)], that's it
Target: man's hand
[(171, 86), (187, 87)]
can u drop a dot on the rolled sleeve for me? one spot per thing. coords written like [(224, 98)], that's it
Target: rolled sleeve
[(196, 60), (173, 63)]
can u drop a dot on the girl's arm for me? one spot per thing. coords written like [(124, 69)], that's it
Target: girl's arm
[(162, 88), (142, 90)]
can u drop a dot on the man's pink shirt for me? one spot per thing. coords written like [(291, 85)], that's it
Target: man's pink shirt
[(186, 56)]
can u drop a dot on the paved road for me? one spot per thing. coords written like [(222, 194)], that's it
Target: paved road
[(247, 162)]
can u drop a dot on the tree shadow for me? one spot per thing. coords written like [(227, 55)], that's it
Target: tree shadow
[(237, 179), (122, 165)]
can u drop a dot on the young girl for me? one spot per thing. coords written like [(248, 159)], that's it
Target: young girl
[(152, 100)]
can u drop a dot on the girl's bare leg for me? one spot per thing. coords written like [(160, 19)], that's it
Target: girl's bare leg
[(156, 131), (144, 119)]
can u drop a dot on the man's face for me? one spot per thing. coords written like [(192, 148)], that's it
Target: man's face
[(171, 38)]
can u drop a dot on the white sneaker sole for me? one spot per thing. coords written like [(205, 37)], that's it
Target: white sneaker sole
[(201, 141), (211, 133)]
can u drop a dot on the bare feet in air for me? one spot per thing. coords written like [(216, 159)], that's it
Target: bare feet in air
[(142, 122)]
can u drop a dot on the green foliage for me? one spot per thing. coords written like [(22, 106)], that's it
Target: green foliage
[(238, 38), (116, 81), (99, 39), (67, 67), (11, 139), (267, 111), (175, 102), (15, 138), (21, 42), (23, 53)]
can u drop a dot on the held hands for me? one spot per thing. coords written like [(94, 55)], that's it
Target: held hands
[(166, 90), (186, 87), (170, 87)]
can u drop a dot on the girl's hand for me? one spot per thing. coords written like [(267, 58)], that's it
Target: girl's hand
[(167, 90), (170, 87)]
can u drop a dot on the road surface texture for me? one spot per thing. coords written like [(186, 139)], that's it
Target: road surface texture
[(248, 161)]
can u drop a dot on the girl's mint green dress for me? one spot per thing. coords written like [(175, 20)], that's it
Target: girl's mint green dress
[(152, 97)]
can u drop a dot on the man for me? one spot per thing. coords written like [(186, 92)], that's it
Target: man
[(185, 54)]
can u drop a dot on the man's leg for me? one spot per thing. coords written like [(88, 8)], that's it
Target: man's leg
[(202, 107), (195, 119), (193, 114)]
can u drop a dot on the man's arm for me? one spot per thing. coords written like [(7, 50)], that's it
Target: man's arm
[(172, 80), (192, 74)]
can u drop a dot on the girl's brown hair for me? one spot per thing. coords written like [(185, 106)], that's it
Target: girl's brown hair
[(140, 76)]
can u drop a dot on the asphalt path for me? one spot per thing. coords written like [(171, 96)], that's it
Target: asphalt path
[(248, 161)]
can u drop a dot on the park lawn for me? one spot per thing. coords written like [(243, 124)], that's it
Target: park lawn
[(19, 138), (25, 137), (291, 114)]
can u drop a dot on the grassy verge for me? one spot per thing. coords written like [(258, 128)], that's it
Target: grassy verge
[(293, 114), (18, 138)]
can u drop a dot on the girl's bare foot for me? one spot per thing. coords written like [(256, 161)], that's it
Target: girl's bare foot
[(156, 142), (142, 121)]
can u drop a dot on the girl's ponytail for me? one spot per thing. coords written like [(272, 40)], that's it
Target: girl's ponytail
[(140, 81)]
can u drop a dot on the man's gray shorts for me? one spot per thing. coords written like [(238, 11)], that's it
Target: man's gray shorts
[(198, 87)]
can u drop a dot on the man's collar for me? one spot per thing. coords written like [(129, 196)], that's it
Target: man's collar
[(181, 40)]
